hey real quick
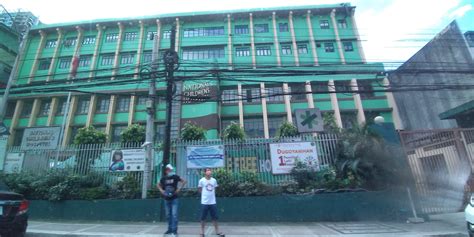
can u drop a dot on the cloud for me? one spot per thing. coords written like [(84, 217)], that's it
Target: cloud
[(461, 11)]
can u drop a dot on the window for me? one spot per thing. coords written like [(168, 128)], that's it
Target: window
[(44, 64), (51, 43), (242, 52), (160, 132), (261, 28), (274, 93), (302, 49), (11, 106), (254, 127), (166, 34), (61, 107), (112, 37), (251, 94), (297, 91), (127, 58), (264, 51), (319, 87), (344, 86), (328, 47), (147, 57), (70, 41), (348, 46), (18, 137), (107, 60), (241, 29), (45, 108), (273, 124), (151, 35), (117, 132), (366, 89), (230, 96), (85, 61), (102, 105), (64, 63), (206, 31), (342, 23), (90, 39), (286, 49), (349, 119), (203, 53), (141, 102), (27, 108), (83, 106), (130, 36), (123, 104), (283, 27), (324, 24)]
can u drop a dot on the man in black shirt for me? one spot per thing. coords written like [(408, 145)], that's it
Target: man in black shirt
[(168, 187)]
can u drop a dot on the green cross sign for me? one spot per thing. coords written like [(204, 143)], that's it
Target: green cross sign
[(308, 119)]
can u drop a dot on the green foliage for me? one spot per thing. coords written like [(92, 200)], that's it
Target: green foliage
[(287, 129), (234, 131), (193, 132), (330, 124), (133, 134), (90, 135), (127, 188), (241, 185)]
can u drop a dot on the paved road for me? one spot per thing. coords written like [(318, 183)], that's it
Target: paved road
[(443, 225)]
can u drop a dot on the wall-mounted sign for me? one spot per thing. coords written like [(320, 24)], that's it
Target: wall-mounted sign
[(13, 163), (285, 156), (127, 160), (45, 138), (199, 157), (198, 93)]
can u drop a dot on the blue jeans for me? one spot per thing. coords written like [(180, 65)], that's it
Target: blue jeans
[(171, 210)]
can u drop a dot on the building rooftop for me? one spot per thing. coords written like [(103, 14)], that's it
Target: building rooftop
[(202, 13)]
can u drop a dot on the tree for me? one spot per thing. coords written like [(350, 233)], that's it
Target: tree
[(287, 129), (133, 134), (193, 132), (234, 131), (330, 124), (89, 135)]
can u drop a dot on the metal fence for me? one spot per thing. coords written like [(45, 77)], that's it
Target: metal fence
[(250, 155), (441, 162)]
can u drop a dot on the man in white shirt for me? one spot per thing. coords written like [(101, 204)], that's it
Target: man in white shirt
[(207, 187)]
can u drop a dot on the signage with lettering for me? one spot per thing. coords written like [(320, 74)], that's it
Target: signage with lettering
[(198, 93), (200, 157), (127, 160), (285, 156), (45, 138), (13, 163)]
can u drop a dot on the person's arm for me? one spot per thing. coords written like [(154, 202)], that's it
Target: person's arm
[(200, 187), (182, 182), (161, 189)]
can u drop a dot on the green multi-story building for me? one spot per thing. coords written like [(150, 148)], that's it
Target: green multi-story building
[(254, 67)]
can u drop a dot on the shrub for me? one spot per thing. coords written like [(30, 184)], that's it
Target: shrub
[(127, 188), (89, 135), (287, 129), (234, 131), (192, 132), (133, 134)]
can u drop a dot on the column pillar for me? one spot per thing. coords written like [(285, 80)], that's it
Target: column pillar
[(131, 112), (309, 94), (39, 50), (178, 27), (392, 104), (15, 119), (356, 33), (334, 103), (241, 105), (70, 120), (141, 38), (115, 68), (311, 38), (293, 39), (157, 42), (91, 112), (264, 110), (98, 43), (338, 39), (77, 48), (108, 126), (52, 111), (229, 42), (275, 39), (252, 43), (357, 102), (286, 98), (34, 112), (52, 66)]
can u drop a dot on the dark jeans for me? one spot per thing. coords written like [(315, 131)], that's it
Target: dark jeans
[(171, 210)]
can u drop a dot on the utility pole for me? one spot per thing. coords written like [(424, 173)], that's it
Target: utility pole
[(171, 63)]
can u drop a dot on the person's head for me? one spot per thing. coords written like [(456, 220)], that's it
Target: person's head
[(118, 156), (208, 172), (168, 169)]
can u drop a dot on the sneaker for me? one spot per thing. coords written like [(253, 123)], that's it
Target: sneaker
[(168, 232)]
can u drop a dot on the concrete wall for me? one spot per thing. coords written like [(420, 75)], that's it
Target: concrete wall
[(449, 53)]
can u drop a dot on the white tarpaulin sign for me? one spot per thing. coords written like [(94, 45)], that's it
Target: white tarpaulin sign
[(40, 138), (199, 157), (285, 156), (127, 160), (13, 163)]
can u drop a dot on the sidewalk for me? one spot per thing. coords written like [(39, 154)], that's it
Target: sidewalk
[(440, 225)]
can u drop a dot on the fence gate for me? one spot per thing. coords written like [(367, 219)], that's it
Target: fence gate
[(441, 162)]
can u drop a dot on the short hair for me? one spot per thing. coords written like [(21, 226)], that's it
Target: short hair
[(208, 168)]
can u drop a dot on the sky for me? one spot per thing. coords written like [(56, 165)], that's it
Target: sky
[(391, 30)]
